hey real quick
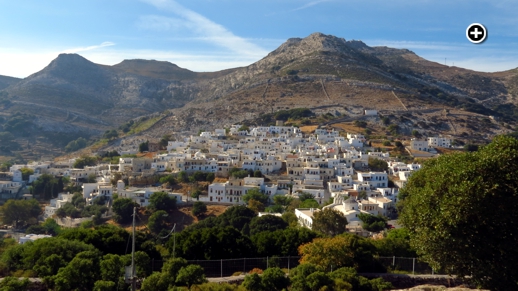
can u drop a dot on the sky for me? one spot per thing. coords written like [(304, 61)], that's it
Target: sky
[(212, 35)]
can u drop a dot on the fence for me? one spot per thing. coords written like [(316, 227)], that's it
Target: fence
[(410, 265), (227, 267)]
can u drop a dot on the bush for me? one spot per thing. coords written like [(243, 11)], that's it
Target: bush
[(199, 208)]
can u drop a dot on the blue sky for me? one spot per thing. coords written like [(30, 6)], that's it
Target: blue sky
[(210, 35)]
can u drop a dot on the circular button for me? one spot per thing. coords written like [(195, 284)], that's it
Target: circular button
[(476, 33)]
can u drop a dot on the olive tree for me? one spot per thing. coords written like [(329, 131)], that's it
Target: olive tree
[(460, 210)]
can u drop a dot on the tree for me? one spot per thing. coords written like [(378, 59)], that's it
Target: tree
[(162, 201), (47, 186), (109, 134), (80, 274), (199, 208), (85, 161), (157, 221), (191, 275), (256, 206), (14, 284), (347, 249), (210, 177), (168, 179), (256, 195), (329, 221), (282, 200), (20, 212), (460, 210), (258, 174), (196, 194), (26, 172), (123, 209), (305, 195), (274, 279), (373, 223), (309, 203), (143, 147), (266, 223), (183, 177), (377, 164)]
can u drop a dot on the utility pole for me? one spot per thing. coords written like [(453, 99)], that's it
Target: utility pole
[(133, 277)]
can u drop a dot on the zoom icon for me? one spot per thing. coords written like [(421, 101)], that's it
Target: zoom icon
[(476, 33)]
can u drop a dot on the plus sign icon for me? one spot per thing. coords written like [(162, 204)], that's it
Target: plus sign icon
[(476, 33)]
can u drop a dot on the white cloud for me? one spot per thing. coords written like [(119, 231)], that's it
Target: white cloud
[(160, 23), (88, 48), (310, 4), (201, 26)]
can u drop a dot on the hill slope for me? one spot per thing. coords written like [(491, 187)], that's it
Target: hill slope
[(321, 72)]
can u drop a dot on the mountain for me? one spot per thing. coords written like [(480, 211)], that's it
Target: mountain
[(73, 97), (6, 81)]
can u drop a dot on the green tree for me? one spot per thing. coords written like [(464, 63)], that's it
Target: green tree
[(47, 186), (196, 194), (226, 243), (157, 221), (183, 177), (253, 282), (26, 172), (347, 249), (266, 223), (305, 195), (123, 210), (256, 195), (162, 201), (51, 227), (210, 177), (377, 164), (460, 210), (14, 284), (258, 174), (274, 279), (109, 134), (80, 274), (143, 147), (20, 212), (191, 275), (309, 203), (372, 223), (329, 221), (168, 179), (85, 161), (199, 208), (255, 205), (104, 285)]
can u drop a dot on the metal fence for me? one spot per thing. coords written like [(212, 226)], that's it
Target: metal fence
[(228, 267), (409, 265)]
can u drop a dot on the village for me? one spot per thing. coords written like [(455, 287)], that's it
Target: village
[(331, 167)]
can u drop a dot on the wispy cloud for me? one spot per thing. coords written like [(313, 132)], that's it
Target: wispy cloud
[(88, 48), (423, 45), (199, 25), (310, 4), (160, 23)]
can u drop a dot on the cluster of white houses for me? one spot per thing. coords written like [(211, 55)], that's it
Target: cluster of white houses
[(324, 164)]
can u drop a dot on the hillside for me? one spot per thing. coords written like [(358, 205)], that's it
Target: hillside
[(73, 96)]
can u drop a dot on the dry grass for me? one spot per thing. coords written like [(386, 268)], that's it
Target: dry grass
[(308, 128)]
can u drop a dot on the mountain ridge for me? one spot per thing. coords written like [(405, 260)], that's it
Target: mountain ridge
[(315, 71)]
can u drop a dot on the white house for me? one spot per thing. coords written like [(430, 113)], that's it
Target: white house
[(439, 142), (419, 145)]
